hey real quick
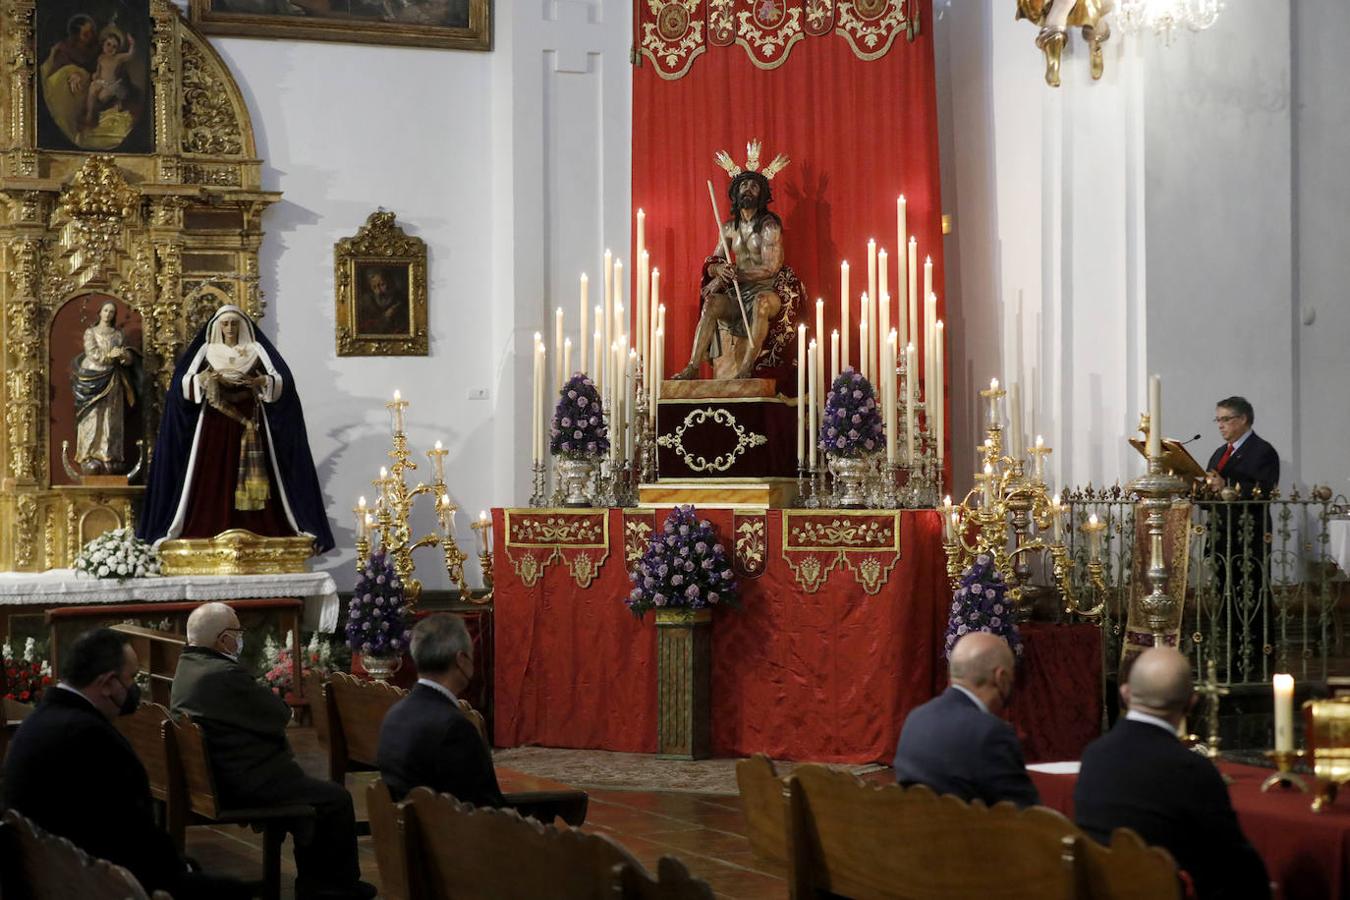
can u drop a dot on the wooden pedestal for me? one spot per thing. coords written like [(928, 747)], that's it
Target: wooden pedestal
[(684, 683)]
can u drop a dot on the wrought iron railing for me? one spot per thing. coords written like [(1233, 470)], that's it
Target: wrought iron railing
[(1262, 594)]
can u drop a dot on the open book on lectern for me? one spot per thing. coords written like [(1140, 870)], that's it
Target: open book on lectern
[(1176, 458)]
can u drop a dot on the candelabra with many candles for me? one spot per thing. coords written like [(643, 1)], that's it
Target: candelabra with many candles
[(386, 525)]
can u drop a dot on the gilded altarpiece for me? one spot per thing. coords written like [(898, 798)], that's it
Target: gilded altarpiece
[(166, 237)]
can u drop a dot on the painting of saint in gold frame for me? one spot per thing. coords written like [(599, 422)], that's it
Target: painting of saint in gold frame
[(381, 278), (452, 24)]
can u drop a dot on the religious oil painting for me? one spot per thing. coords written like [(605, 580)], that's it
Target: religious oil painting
[(380, 275), (93, 78), (452, 24)]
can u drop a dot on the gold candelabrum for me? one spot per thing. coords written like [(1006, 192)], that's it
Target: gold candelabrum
[(387, 523), (1157, 488), (996, 518)]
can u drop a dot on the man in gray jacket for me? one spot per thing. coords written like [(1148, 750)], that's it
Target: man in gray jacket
[(245, 728)]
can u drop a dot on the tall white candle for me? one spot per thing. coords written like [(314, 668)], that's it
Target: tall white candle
[(812, 363), (888, 378), (1015, 421), (1057, 513), (604, 323), (537, 406), (598, 357), (834, 355), (641, 303), (901, 270), (1154, 416), (988, 485), (862, 343), (1284, 712), (655, 301), (912, 271), (582, 311), (620, 323), (820, 323), (929, 323), (844, 301), (927, 275), (641, 230), (567, 358), (629, 398), (883, 298), (558, 375), (941, 390), (993, 404), (912, 371), (802, 364), (872, 275), (659, 368)]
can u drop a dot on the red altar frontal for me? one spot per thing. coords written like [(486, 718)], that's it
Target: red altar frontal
[(838, 637)]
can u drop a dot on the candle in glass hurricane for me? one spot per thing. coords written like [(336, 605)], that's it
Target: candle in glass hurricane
[(993, 395), (988, 485), (1057, 521), (437, 456), (396, 409), (446, 513), (1094, 529), (483, 532), (1284, 713), (360, 518)]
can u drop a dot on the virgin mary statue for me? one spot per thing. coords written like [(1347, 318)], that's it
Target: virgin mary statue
[(232, 450)]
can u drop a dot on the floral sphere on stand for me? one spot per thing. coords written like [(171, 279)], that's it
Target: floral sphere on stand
[(852, 424), (685, 567), (117, 554), (579, 430), (377, 618), (981, 604)]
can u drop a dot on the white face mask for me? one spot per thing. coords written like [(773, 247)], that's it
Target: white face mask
[(238, 646)]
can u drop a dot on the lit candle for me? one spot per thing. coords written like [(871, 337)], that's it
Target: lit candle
[(929, 354), (802, 364), (659, 368), (397, 409), (559, 376), (834, 355), (993, 403), (927, 275), (537, 408), (447, 516), (382, 485), (1094, 531), (654, 302), (843, 315), (912, 370), (438, 460), (584, 309), (862, 342), (1040, 459), (567, 359), (1284, 713), (1057, 511), (1154, 416), (988, 485), (912, 270), (901, 270), (940, 386), (484, 532), (948, 519), (812, 362), (956, 526), (360, 518)]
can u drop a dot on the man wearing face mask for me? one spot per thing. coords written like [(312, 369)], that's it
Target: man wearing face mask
[(956, 743), (74, 774), (245, 728)]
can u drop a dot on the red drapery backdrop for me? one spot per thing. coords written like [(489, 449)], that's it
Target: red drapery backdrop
[(859, 133)]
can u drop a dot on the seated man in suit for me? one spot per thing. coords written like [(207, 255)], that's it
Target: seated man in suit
[(245, 729), (74, 774), (427, 741), (956, 743), (1139, 776)]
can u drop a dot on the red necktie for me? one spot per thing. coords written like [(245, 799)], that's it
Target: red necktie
[(1223, 460)]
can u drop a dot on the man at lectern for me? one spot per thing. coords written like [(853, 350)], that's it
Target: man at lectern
[(1236, 541)]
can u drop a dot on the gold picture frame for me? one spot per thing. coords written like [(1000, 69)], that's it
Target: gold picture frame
[(447, 24), (381, 279)]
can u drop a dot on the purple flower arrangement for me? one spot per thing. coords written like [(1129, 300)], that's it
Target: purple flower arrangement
[(377, 619), (981, 604), (579, 429), (685, 567), (852, 425)]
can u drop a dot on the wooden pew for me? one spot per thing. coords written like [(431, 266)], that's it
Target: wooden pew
[(204, 805), (764, 803), (157, 655), (39, 866), (12, 714), (672, 882), (461, 853), (354, 710), (867, 841), (148, 730), (389, 834), (1127, 870)]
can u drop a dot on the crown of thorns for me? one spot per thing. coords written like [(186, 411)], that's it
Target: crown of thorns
[(751, 161)]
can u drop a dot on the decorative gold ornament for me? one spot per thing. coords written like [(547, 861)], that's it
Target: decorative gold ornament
[(381, 279), (721, 463), (1055, 18), (752, 151), (535, 539), (815, 542), (235, 552)]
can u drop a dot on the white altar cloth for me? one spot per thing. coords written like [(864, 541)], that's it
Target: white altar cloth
[(65, 588)]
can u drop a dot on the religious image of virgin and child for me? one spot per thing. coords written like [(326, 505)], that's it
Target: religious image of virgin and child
[(94, 82), (232, 451)]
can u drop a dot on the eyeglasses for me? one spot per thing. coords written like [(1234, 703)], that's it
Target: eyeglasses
[(1220, 420), (228, 630)]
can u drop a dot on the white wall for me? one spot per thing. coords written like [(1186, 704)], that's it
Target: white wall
[(456, 143)]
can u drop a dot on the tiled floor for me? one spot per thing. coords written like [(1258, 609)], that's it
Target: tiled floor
[(705, 831)]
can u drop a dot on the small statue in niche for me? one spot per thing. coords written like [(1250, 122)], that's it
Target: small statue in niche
[(754, 289), (104, 385), (232, 450), (1055, 17)]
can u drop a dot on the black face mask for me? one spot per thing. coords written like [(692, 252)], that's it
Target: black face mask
[(132, 701)]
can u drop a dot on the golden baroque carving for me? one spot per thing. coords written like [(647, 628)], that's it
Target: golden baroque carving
[(49, 540), (380, 242), (209, 123), (25, 531), (744, 440), (92, 212)]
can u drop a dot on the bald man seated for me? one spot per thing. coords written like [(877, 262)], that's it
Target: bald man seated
[(244, 725), (1140, 776), (956, 743)]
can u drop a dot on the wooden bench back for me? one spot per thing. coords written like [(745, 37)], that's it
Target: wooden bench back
[(198, 778), (764, 804), (1127, 870), (672, 882), (356, 710), (157, 653), (467, 853), (868, 841), (389, 833), (46, 867), (145, 731)]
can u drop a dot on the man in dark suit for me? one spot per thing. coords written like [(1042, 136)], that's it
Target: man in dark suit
[(427, 741), (245, 729), (74, 774), (1139, 776), (1238, 549), (956, 743)]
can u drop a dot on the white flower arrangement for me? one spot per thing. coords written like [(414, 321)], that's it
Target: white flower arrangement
[(117, 554)]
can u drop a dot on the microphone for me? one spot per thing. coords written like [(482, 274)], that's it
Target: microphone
[(1189, 440)]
